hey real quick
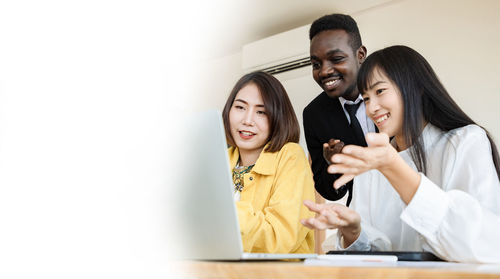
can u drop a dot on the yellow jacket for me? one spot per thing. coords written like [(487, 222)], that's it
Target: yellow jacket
[(270, 207)]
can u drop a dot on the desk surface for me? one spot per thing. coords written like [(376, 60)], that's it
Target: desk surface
[(291, 270)]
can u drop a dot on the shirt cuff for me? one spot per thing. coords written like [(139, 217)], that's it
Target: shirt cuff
[(360, 244), (427, 208)]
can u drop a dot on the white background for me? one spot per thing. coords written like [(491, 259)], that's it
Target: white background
[(90, 95)]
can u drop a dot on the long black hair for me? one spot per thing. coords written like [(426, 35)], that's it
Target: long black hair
[(424, 97)]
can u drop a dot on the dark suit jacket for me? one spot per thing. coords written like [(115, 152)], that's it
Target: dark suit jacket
[(325, 119)]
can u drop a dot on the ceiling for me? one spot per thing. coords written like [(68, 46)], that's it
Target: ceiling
[(235, 23)]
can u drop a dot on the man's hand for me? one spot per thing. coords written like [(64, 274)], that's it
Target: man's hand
[(355, 160), (331, 148)]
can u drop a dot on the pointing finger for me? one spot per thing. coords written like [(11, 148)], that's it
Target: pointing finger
[(312, 206), (342, 180)]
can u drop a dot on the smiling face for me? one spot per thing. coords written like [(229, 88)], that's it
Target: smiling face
[(384, 105), (249, 124), (335, 64)]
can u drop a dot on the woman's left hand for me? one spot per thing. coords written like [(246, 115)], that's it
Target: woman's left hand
[(355, 160), (334, 216)]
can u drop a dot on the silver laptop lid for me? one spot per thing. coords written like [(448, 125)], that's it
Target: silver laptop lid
[(210, 229)]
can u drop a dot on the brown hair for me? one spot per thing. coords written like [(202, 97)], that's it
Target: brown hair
[(283, 124)]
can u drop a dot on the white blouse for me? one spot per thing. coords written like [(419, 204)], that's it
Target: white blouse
[(455, 212)]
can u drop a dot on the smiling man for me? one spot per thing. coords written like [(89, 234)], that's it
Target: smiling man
[(338, 112)]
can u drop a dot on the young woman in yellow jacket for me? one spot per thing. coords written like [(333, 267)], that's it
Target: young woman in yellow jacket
[(271, 174)]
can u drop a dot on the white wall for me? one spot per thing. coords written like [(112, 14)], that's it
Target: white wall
[(215, 80), (458, 38)]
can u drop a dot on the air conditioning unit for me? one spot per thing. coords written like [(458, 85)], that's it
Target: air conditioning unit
[(279, 53)]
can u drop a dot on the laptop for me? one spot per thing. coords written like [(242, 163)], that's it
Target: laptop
[(210, 226)]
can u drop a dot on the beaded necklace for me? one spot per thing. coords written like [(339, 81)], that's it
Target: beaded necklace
[(238, 173)]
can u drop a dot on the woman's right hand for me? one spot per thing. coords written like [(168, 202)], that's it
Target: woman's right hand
[(334, 216)]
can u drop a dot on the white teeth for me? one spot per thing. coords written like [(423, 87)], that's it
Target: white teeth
[(382, 118), (331, 82), (247, 133)]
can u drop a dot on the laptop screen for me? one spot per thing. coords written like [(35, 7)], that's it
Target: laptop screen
[(209, 226)]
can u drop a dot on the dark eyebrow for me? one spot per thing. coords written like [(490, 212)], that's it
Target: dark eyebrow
[(240, 100), (334, 51), (329, 53), (376, 83)]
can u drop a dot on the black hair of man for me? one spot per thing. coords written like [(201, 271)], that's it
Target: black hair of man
[(337, 22)]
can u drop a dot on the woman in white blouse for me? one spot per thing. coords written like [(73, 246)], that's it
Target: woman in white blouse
[(433, 187)]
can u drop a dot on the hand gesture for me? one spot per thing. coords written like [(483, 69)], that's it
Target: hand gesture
[(331, 148), (355, 159), (334, 216)]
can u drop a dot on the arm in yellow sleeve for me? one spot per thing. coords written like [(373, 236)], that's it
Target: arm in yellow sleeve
[(276, 228)]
